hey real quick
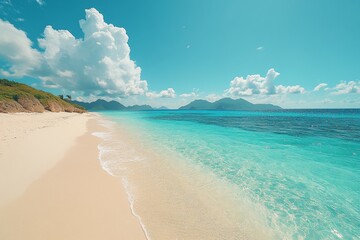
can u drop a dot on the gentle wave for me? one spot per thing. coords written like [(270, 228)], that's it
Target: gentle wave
[(111, 158), (304, 186)]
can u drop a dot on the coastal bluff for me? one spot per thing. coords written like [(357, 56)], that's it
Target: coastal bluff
[(18, 97)]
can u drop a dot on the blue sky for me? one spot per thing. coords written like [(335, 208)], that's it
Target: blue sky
[(264, 51)]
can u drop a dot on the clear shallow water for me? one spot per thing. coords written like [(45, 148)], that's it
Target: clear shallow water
[(299, 170)]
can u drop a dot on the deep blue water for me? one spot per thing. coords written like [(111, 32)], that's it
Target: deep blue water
[(302, 166)]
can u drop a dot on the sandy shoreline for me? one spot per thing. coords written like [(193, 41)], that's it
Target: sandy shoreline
[(52, 185)]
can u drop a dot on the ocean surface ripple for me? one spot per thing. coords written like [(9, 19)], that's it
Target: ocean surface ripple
[(301, 168)]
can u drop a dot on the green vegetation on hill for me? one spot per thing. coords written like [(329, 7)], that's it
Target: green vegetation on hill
[(18, 97)]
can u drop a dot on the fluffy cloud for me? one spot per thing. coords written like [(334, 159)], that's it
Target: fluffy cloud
[(320, 86), (347, 87), (289, 89), (256, 84), (193, 94), (253, 84), (168, 93), (16, 49), (97, 64)]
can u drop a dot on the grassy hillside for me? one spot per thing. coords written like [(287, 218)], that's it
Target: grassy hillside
[(18, 97)]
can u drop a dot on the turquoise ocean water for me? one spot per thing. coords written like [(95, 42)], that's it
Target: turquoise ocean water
[(297, 171)]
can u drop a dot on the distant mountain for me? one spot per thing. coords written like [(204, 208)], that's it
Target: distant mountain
[(139, 108), (101, 105), (222, 104), (19, 97), (162, 108), (198, 105), (228, 104)]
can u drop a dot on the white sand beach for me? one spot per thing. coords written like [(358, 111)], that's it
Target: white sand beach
[(52, 185)]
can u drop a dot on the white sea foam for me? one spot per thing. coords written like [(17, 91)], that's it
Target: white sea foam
[(102, 135), (130, 196), (113, 153), (182, 194), (256, 191), (336, 233)]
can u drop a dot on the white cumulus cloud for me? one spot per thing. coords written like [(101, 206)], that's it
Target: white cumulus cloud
[(253, 84), (168, 93), (16, 49), (320, 86), (99, 63), (193, 94), (347, 87), (258, 85), (290, 89)]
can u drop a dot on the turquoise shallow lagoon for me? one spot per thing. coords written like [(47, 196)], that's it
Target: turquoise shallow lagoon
[(299, 170)]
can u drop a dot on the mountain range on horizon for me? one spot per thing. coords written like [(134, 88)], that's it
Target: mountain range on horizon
[(228, 104), (17, 97), (103, 105), (199, 104)]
